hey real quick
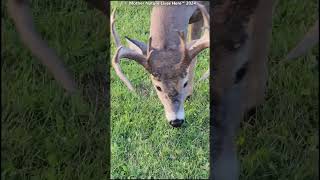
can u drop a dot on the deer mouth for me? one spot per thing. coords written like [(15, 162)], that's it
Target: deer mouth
[(176, 123), (176, 118)]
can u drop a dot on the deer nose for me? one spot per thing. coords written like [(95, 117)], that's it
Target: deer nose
[(176, 123), (176, 102)]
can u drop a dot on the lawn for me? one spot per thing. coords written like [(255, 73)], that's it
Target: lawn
[(282, 140), (45, 133), (143, 144)]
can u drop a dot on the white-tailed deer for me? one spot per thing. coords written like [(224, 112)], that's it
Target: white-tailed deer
[(167, 56)]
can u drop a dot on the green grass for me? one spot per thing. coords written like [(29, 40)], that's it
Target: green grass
[(282, 140), (45, 133), (143, 144)]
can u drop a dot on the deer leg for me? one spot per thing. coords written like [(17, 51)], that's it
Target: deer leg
[(195, 33)]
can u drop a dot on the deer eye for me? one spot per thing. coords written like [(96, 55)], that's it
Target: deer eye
[(185, 84), (159, 88)]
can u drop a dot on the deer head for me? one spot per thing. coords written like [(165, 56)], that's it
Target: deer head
[(168, 67)]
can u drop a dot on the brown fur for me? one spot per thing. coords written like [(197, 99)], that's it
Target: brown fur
[(241, 36), (168, 69)]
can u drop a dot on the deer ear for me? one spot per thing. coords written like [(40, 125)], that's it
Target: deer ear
[(136, 45)]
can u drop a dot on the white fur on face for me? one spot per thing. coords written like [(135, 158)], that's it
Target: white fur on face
[(170, 115)]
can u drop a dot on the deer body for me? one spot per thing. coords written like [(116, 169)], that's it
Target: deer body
[(165, 20)]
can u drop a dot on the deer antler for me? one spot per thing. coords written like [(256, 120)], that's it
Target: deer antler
[(310, 39), (149, 49), (204, 42), (193, 48), (185, 59), (123, 52), (19, 11)]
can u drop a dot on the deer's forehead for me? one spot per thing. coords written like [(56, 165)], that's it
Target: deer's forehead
[(165, 66), (165, 58), (170, 77), (169, 74)]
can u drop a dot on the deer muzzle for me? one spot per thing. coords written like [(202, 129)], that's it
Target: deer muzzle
[(175, 114)]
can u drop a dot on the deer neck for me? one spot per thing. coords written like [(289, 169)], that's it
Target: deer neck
[(165, 21)]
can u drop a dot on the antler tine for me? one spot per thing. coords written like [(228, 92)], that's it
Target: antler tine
[(123, 52), (20, 12), (149, 53), (149, 49), (203, 42), (182, 40), (206, 17), (310, 39), (185, 60), (117, 68), (113, 30)]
